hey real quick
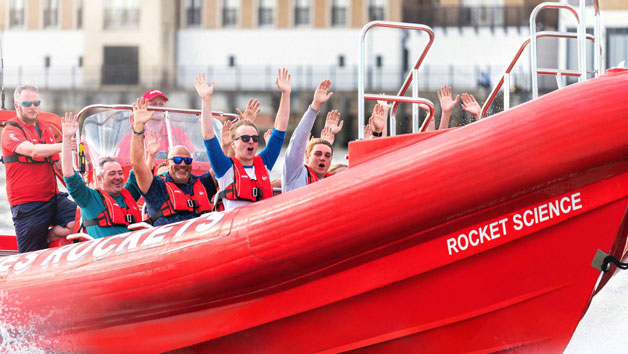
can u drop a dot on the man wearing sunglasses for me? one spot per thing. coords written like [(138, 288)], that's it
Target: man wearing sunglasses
[(244, 178), (109, 209), (29, 151), (177, 196)]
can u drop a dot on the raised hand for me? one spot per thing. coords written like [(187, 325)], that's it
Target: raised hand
[(470, 105), (333, 121), (200, 84), (251, 111), (267, 135), (321, 95), (226, 133), (328, 135), (283, 81), (387, 105), (152, 143), (368, 129), (378, 118), (447, 104), (69, 125), (141, 114)]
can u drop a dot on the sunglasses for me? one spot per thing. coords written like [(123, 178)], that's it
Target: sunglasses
[(246, 138), (30, 103), (179, 159)]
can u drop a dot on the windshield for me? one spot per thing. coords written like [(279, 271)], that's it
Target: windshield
[(108, 133)]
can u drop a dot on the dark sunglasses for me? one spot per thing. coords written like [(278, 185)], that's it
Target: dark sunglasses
[(179, 159), (30, 103), (246, 138)]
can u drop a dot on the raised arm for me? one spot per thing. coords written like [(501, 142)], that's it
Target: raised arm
[(251, 111), (226, 139), (447, 105), (69, 127), (470, 105), (205, 92), (283, 113), (143, 174), (152, 147)]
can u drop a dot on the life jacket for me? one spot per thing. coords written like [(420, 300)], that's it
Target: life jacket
[(312, 177), (181, 203), (114, 214), (243, 188), (46, 138)]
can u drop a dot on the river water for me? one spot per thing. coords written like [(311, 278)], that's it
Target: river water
[(604, 328)]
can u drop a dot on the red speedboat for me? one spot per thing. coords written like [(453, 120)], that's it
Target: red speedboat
[(472, 239)]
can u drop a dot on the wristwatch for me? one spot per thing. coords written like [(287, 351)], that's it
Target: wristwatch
[(138, 133), (374, 133)]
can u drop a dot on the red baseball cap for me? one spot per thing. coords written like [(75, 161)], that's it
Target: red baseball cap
[(150, 94)]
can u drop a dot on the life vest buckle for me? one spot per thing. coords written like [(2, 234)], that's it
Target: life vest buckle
[(130, 219), (255, 192), (190, 204)]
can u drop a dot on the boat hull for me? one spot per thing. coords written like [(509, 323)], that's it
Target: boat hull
[(477, 239)]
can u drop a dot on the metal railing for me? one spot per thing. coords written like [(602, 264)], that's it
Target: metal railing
[(505, 79), (412, 77)]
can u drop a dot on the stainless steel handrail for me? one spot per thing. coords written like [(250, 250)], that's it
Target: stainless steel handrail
[(409, 78), (580, 35), (84, 110), (493, 94)]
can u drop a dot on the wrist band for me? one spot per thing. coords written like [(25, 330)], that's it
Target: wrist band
[(374, 133), (138, 133)]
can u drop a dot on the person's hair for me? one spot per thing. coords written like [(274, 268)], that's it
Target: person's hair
[(101, 164), (336, 166), (19, 89), (317, 141), (163, 164), (238, 124)]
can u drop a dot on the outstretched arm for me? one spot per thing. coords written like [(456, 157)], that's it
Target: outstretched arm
[(283, 113), (447, 105), (143, 174), (69, 127), (152, 146), (205, 91), (470, 105)]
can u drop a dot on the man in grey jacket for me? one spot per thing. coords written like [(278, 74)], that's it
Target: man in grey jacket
[(319, 152)]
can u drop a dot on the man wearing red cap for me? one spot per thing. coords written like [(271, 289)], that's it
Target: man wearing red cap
[(157, 98)]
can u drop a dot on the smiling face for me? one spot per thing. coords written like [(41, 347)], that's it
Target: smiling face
[(179, 172), (319, 159), (27, 114), (111, 179), (244, 151)]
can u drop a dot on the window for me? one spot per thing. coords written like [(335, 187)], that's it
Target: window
[(616, 46), (302, 12), (121, 66), (79, 14), (16, 13), (376, 10), (193, 13), (339, 12), (265, 12), (230, 13), (51, 13), (122, 14)]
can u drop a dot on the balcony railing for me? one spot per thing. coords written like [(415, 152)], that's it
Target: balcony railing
[(476, 16)]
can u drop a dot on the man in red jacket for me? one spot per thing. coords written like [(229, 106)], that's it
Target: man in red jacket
[(29, 151)]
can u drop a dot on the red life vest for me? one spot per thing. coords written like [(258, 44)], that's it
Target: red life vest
[(114, 214), (46, 138), (243, 188), (181, 203), (312, 177)]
